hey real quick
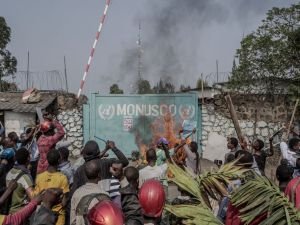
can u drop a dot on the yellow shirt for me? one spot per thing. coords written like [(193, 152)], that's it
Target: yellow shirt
[(2, 218), (47, 180)]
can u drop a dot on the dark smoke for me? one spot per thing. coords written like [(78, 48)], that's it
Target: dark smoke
[(142, 130), (172, 30)]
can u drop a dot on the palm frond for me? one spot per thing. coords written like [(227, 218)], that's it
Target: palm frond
[(212, 184), (194, 214), (185, 181), (259, 197)]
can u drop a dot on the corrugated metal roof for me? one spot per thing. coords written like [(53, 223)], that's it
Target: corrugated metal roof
[(12, 101)]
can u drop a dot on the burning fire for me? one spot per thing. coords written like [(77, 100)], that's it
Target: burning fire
[(160, 127)]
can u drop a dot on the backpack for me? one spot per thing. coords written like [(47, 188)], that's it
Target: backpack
[(84, 203), (7, 203)]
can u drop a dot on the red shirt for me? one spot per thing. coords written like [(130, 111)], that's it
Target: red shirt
[(233, 217), (19, 217), (46, 143), (292, 191)]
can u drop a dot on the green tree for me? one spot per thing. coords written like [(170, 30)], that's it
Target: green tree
[(199, 84), (8, 63), (184, 88), (143, 87), (270, 55), (114, 89), (164, 87)]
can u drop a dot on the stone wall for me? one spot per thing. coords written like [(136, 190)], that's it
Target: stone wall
[(266, 108), (216, 127), (72, 121)]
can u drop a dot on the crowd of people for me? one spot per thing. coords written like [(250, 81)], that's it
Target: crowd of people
[(39, 185)]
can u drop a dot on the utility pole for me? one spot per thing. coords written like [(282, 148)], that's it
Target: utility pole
[(27, 74), (66, 77), (217, 65), (139, 42)]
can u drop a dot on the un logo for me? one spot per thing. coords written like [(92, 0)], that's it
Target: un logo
[(186, 112), (106, 112)]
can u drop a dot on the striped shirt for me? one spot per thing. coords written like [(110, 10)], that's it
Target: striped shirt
[(114, 189)]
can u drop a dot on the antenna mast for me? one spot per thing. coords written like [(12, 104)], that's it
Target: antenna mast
[(139, 42)]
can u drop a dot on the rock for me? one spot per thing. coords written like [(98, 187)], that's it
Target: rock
[(249, 132), (78, 127), (60, 117), (249, 124), (77, 118), (78, 144), (207, 128), (72, 139), (226, 126), (205, 118), (70, 113), (76, 152), (204, 142), (70, 148), (79, 123), (67, 127), (66, 117), (73, 129), (63, 113), (212, 118), (230, 132), (77, 134), (217, 129), (64, 122), (261, 124), (265, 132), (204, 110), (71, 120), (80, 138), (242, 124), (207, 124)]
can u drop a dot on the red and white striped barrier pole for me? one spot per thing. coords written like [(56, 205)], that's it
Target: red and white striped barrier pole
[(93, 48)]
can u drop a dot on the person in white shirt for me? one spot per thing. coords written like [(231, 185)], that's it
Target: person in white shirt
[(152, 171), (288, 151), (192, 157)]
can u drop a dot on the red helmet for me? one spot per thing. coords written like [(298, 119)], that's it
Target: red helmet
[(45, 126), (152, 198), (105, 213)]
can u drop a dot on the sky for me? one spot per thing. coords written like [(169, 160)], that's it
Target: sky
[(181, 39)]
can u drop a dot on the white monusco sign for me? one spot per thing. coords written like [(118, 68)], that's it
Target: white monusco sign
[(108, 111)]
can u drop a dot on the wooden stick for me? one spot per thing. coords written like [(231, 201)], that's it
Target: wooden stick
[(292, 119), (289, 127), (234, 118)]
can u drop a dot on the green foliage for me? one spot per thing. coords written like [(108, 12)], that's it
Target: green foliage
[(8, 63), (269, 58), (114, 89), (259, 197), (199, 84), (203, 188), (144, 87), (183, 88), (164, 87)]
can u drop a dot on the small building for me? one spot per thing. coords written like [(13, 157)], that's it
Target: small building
[(17, 116)]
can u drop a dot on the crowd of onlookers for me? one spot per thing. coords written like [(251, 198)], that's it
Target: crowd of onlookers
[(39, 185)]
